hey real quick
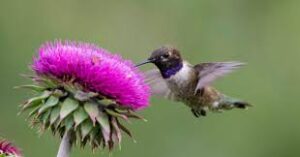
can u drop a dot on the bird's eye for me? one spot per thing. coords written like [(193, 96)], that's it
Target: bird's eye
[(166, 55)]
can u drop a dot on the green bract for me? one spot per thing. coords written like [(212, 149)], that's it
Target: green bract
[(64, 106)]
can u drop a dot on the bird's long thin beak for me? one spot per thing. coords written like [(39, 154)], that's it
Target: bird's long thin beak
[(144, 62)]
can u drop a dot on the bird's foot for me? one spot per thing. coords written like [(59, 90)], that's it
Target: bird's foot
[(198, 112)]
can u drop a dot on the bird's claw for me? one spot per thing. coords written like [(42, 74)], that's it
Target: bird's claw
[(198, 113)]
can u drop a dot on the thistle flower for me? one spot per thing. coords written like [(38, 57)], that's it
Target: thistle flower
[(83, 91), (8, 150), (95, 69)]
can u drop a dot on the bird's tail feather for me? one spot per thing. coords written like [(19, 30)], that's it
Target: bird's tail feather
[(241, 104), (230, 103)]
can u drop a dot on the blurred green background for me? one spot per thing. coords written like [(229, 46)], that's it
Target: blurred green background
[(263, 33)]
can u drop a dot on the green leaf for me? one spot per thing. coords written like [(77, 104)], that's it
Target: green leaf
[(45, 116), (123, 128), (33, 111), (92, 110), (49, 83), (107, 102), (103, 120), (94, 133), (69, 122), (83, 96), (79, 116), (32, 87), (86, 128), (54, 114), (117, 130), (78, 135), (69, 88), (115, 114), (134, 115), (68, 106), (36, 100), (83, 142), (51, 101), (59, 93)]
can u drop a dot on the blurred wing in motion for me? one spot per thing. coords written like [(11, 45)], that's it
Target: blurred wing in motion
[(209, 72), (158, 85)]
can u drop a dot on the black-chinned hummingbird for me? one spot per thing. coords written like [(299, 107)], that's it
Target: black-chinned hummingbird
[(178, 80)]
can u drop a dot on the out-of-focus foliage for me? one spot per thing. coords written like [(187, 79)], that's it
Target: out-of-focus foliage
[(263, 33)]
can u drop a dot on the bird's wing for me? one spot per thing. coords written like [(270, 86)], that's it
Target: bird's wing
[(208, 72), (158, 85)]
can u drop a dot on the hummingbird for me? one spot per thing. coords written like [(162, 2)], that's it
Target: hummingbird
[(178, 80)]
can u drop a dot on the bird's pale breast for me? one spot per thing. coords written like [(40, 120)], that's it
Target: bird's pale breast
[(183, 83)]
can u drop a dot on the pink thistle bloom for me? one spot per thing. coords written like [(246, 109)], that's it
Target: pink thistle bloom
[(7, 149), (96, 69)]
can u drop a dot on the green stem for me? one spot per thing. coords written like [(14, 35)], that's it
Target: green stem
[(65, 145)]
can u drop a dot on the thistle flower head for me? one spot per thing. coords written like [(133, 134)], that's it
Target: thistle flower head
[(84, 90), (95, 69), (8, 150)]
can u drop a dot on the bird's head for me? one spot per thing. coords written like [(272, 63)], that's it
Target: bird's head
[(164, 58)]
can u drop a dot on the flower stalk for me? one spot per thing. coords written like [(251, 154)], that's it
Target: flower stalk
[(65, 145)]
